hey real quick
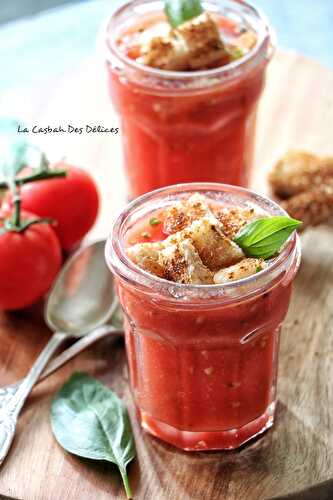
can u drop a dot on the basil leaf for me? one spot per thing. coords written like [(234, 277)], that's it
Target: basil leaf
[(179, 11), (16, 152), (263, 238), (90, 421)]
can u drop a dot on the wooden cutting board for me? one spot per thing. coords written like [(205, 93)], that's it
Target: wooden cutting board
[(296, 111)]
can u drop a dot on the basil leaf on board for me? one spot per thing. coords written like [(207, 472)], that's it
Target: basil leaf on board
[(179, 11), (90, 421), (263, 238)]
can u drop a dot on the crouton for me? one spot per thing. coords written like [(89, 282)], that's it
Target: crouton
[(242, 269), (183, 265), (312, 207), (214, 248), (169, 53), (234, 219), (176, 219), (175, 260), (183, 213), (147, 256), (299, 171), (198, 246), (195, 44), (204, 43), (247, 40)]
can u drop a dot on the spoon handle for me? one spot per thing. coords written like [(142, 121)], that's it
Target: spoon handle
[(77, 347), (10, 411), (8, 391)]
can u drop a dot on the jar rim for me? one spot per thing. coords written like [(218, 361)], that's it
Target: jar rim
[(265, 44), (124, 268)]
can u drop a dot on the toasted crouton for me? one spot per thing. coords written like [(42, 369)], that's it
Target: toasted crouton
[(203, 40), (242, 269), (214, 248), (312, 207), (183, 213), (299, 171), (183, 264), (198, 246), (147, 256), (247, 40), (175, 260), (234, 219), (167, 53), (195, 44), (176, 219), (196, 206)]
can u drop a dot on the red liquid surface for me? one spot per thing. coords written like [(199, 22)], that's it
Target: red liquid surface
[(172, 138), (205, 377)]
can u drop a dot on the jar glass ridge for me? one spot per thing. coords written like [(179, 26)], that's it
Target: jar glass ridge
[(208, 346), (172, 122)]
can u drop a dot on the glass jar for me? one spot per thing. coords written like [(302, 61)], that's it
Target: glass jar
[(202, 358), (186, 126)]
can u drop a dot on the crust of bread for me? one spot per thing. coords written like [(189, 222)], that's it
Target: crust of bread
[(247, 40), (147, 256), (199, 250), (183, 213), (300, 171), (203, 41), (183, 264), (234, 219), (214, 248), (195, 44), (312, 207), (168, 53), (242, 269)]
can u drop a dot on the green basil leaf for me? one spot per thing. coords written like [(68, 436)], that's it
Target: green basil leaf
[(179, 11), (16, 152), (263, 238), (90, 421)]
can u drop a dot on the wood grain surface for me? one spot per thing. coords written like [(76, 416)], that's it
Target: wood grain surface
[(296, 111)]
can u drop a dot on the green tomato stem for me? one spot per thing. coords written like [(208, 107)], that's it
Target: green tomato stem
[(39, 176), (16, 221), (127, 486)]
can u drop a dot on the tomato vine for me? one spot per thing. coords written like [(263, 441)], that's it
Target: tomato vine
[(16, 154)]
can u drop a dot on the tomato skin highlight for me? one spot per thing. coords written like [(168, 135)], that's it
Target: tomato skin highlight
[(29, 263), (72, 201)]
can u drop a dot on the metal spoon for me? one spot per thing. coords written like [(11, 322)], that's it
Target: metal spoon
[(81, 299), (113, 327)]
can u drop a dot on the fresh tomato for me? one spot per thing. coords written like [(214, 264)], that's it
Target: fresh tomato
[(72, 201), (29, 262)]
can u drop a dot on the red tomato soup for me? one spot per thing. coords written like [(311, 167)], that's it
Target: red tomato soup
[(203, 358), (182, 126)]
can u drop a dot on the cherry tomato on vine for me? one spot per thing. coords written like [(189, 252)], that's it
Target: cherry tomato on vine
[(29, 262), (72, 201)]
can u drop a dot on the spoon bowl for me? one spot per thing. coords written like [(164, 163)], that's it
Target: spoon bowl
[(83, 296)]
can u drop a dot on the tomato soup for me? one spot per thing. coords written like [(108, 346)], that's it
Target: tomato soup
[(182, 126), (202, 358)]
